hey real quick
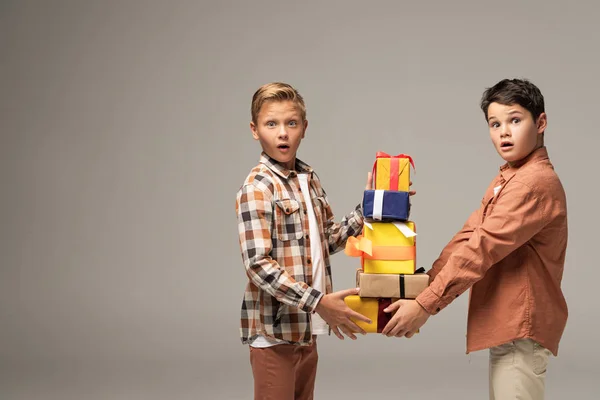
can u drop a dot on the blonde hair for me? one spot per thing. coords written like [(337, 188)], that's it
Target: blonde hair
[(276, 91)]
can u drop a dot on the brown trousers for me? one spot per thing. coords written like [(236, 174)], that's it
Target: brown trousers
[(284, 371)]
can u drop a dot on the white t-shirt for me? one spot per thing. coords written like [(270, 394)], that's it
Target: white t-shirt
[(318, 324)]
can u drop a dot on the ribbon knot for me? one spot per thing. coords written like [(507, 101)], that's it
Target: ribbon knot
[(381, 154), (357, 246)]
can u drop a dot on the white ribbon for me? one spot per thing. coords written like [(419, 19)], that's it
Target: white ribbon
[(406, 231), (401, 226), (377, 205)]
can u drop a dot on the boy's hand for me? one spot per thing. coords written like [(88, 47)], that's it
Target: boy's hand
[(411, 192), (409, 317), (370, 184), (337, 314), (369, 181)]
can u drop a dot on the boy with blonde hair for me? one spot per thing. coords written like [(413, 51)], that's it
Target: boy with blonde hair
[(287, 233)]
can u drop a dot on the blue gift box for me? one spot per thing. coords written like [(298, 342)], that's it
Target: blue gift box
[(386, 205)]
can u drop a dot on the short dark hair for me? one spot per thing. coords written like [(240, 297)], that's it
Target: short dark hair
[(514, 91)]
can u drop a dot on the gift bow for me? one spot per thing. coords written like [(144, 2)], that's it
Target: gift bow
[(381, 154), (357, 246)]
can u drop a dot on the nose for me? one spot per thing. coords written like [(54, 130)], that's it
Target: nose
[(505, 132), (283, 132)]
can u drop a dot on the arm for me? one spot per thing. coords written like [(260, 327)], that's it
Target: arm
[(255, 216), (351, 225), (337, 234), (517, 216), (462, 236)]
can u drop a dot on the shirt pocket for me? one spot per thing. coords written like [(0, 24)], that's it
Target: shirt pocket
[(540, 358), (288, 222)]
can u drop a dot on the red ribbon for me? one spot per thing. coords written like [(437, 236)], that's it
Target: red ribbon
[(394, 167), (382, 317), (381, 154)]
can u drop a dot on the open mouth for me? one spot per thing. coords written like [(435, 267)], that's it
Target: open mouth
[(506, 145), (283, 147)]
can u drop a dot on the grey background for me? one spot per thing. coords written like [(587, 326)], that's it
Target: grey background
[(124, 138)]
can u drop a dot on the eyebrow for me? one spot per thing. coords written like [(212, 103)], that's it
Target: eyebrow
[(290, 117), (491, 117)]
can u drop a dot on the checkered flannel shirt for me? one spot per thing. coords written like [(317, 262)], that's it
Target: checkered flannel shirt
[(275, 246)]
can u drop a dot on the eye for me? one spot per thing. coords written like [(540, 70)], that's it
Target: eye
[(270, 124), (494, 124), (516, 120), (293, 123)]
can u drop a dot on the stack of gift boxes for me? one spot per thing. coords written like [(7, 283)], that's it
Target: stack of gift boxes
[(387, 246)]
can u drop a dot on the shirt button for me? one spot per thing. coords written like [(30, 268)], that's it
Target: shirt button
[(304, 212), (437, 309), (305, 236), (287, 210), (308, 261)]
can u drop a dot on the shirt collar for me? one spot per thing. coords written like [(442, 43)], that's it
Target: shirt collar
[(280, 170), (539, 154)]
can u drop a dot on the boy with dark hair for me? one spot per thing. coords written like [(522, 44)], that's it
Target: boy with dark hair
[(510, 252)]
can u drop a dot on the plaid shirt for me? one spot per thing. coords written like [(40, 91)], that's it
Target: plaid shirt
[(275, 246)]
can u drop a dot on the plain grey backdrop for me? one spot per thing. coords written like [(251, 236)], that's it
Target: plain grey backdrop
[(125, 136)]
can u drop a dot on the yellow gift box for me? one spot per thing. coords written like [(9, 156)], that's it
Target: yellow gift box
[(392, 172), (392, 252), (371, 308)]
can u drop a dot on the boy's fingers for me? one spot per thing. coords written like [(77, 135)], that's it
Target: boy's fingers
[(348, 332), (391, 326), (355, 328), (399, 332), (412, 192), (393, 307), (337, 333), (409, 334), (347, 292), (358, 316), (369, 181)]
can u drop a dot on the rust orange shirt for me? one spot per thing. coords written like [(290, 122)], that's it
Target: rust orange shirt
[(511, 253)]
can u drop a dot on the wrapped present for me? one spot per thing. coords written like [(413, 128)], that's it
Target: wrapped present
[(392, 285), (372, 309), (392, 172), (386, 205), (393, 248)]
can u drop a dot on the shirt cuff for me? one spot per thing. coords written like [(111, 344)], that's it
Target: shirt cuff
[(314, 310), (310, 299), (358, 214), (430, 301)]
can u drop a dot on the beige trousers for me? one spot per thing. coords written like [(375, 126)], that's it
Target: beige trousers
[(518, 370)]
